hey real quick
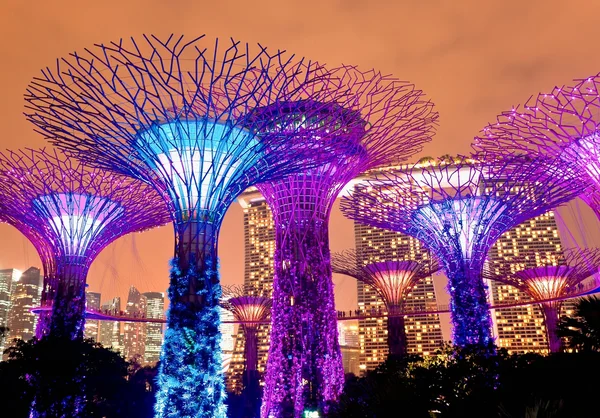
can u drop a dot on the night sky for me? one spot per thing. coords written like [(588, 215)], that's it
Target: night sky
[(473, 58)]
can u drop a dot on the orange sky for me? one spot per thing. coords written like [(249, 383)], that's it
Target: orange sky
[(473, 58)]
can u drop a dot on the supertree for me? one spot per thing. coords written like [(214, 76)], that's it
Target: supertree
[(383, 121), (250, 311), (70, 213), (458, 209), (562, 123), (176, 113), (393, 281), (549, 284)]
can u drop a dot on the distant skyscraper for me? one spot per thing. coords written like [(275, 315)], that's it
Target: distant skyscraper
[(424, 333), (350, 346), (134, 333), (520, 329), (110, 330), (259, 244), (92, 327), (25, 294), (155, 308), (7, 278), (227, 341)]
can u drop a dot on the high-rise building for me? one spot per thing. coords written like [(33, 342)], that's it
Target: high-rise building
[(259, 244), (7, 278), (155, 308), (26, 294), (349, 346), (424, 333), (92, 327), (227, 341), (520, 329), (110, 330), (134, 333)]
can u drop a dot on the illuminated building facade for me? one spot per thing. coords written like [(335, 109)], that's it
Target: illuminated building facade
[(134, 333), (259, 244), (8, 277), (424, 333), (520, 329), (155, 308), (110, 330), (92, 327), (227, 328), (25, 294), (350, 346)]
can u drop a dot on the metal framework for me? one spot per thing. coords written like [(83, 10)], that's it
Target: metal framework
[(393, 281), (561, 123), (458, 209), (250, 311), (380, 121), (547, 282), (178, 114), (70, 213)]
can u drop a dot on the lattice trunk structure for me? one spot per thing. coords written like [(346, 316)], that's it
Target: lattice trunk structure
[(550, 284), (308, 360), (178, 114), (458, 209), (393, 281), (70, 213)]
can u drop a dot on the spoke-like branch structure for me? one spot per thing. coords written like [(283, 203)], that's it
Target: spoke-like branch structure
[(379, 121), (551, 283), (392, 280), (459, 209), (70, 213), (563, 123), (179, 115), (250, 311)]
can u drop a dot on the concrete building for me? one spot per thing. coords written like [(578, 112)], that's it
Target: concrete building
[(134, 333), (25, 294), (110, 330), (155, 308), (92, 327), (8, 277)]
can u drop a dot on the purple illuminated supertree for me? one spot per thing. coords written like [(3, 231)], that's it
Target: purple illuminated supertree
[(562, 123), (70, 213), (382, 121), (179, 115), (249, 311), (393, 281), (458, 209), (548, 284)]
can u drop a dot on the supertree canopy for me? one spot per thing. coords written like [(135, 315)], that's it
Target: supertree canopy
[(70, 213), (392, 280), (379, 121), (178, 114), (249, 311), (561, 123), (459, 209), (550, 284)]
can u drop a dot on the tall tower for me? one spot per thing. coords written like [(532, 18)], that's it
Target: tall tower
[(520, 329), (259, 244), (110, 330), (25, 294), (424, 333), (155, 308), (7, 279), (227, 328), (92, 327), (134, 333)]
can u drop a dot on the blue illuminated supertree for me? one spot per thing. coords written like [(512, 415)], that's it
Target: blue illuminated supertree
[(549, 284), (70, 213), (458, 209), (177, 114), (380, 121), (392, 280)]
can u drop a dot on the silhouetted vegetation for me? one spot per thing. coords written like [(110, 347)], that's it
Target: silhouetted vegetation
[(582, 331)]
